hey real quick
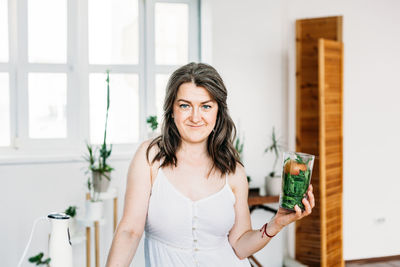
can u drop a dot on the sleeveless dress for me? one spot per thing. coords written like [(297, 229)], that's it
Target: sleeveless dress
[(180, 232)]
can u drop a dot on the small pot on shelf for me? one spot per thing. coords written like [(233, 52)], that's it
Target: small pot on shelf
[(94, 210), (100, 181)]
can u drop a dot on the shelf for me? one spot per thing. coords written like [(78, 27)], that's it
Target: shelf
[(110, 194), (78, 238), (256, 199), (89, 222)]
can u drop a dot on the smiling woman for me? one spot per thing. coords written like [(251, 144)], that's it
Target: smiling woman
[(187, 189), (196, 100), (195, 113)]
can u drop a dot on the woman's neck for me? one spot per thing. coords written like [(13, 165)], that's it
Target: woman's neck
[(195, 155), (193, 150)]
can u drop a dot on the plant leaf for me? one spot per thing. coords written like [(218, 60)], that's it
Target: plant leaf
[(36, 258)]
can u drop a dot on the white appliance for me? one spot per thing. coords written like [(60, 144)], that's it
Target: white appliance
[(60, 249)]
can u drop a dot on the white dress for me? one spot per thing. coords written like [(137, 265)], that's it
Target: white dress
[(181, 232)]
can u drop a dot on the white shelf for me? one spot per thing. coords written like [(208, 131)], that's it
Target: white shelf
[(89, 222), (78, 238), (110, 194)]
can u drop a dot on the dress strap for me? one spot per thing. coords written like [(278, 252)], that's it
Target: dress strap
[(161, 162), (156, 178)]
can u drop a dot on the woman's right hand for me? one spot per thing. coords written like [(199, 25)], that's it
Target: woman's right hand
[(284, 217)]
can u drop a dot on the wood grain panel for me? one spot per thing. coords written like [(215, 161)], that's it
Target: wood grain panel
[(330, 62), (309, 249)]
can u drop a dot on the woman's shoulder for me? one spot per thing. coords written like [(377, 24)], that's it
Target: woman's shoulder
[(238, 179), (145, 153), (148, 150)]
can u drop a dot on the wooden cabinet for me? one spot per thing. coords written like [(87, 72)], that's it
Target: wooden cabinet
[(319, 108)]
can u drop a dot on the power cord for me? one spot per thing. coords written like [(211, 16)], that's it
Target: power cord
[(30, 238)]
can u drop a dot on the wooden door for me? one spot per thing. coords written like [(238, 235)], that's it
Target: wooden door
[(330, 78), (312, 236)]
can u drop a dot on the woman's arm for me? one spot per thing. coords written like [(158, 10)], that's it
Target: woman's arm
[(243, 239), (130, 229)]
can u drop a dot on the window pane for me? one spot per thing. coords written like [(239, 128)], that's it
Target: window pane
[(3, 31), (161, 84), (113, 32), (47, 31), (171, 33), (47, 105), (4, 110), (123, 114)]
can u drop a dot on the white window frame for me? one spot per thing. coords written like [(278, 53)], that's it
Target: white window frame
[(77, 69), (194, 46)]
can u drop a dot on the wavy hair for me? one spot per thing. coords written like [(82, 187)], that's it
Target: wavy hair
[(220, 141)]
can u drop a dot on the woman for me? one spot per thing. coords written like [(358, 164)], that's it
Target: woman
[(187, 188)]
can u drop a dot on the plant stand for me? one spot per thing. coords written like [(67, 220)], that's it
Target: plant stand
[(112, 193), (96, 225)]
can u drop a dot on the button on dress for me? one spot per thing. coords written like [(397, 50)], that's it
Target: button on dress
[(182, 232)]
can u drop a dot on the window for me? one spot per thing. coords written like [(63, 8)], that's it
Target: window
[(4, 110), (3, 31), (53, 64), (4, 76), (113, 41)]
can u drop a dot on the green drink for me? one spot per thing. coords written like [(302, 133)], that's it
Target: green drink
[(296, 177)]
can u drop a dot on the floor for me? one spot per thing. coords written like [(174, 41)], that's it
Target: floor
[(394, 263)]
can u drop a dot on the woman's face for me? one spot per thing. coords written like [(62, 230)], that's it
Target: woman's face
[(195, 113)]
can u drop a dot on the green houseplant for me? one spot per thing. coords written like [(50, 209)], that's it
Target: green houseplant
[(153, 124), (99, 171), (152, 121), (239, 144), (71, 211), (38, 259), (276, 148), (273, 181)]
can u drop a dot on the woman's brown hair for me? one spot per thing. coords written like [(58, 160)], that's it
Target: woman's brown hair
[(220, 141)]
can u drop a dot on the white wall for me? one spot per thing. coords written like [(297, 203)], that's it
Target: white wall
[(371, 36)]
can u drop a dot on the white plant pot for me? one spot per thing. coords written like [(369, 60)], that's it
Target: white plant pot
[(273, 185), (263, 191), (100, 183), (94, 210)]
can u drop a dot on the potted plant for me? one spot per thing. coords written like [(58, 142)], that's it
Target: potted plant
[(274, 180), (239, 144), (95, 184), (71, 211), (152, 122), (38, 259), (99, 171)]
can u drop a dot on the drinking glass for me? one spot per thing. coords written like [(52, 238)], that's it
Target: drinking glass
[(296, 178)]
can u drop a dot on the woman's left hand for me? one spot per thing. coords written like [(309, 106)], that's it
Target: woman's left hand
[(284, 217)]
